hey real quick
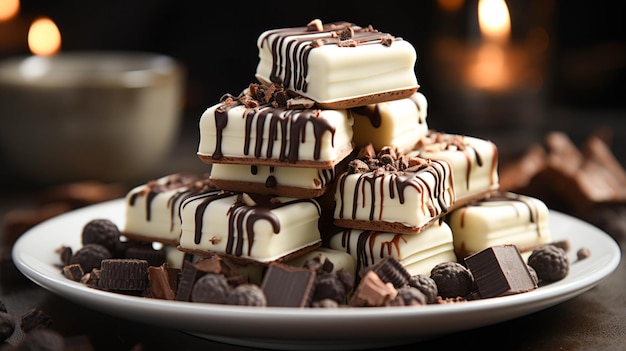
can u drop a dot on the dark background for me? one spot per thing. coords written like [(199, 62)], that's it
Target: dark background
[(216, 41)]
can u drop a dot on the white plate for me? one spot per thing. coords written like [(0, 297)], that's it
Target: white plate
[(293, 328)]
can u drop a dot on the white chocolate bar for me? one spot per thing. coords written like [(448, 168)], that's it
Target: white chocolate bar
[(418, 253), (395, 201), (257, 228), (152, 209), (236, 134), (396, 123), (474, 162), (334, 64), (504, 218), (272, 180)]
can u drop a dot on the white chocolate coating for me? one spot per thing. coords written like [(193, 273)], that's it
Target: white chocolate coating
[(275, 180), (397, 123), (152, 209), (407, 200), (315, 65), (474, 161), (265, 231), (418, 253), (505, 218), (275, 136)]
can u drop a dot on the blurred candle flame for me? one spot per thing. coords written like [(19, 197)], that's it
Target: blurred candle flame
[(489, 69), (494, 20), (44, 37), (9, 9)]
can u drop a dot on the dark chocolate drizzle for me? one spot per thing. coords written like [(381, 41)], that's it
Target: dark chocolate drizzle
[(290, 123), (462, 145), (186, 185), (365, 248), (533, 210), (399, 181), (241, 218), (296, 43)]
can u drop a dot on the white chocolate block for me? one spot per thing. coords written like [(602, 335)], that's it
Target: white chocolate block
[(474, 162), (319, 65), (397, 123), (272, 180), (234, 133), (249, 227), (418, 253), (394, 201), (340, 259), (152, 209), (504, 218)]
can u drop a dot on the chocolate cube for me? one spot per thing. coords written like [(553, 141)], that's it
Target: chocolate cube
[(499, 271)]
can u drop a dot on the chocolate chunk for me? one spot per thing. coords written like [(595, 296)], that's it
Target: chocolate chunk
[(408, 296), (391, 271), (288, 286), (188, 277), (73, 272), (550, 262), (247, 295), (500, 271), (160, 283), (372, 292), (452, 279), (89, 256), (426, 285), (34, 318), (210, 288), (7, 325), (65, 254), (103, 232), (124, 274)]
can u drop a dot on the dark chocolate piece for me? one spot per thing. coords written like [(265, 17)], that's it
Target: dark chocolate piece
[(73, 272), (188, 277), (288, 286), (391, 271), (154, 257), (499, 271), (124, 274), (160, 286)]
